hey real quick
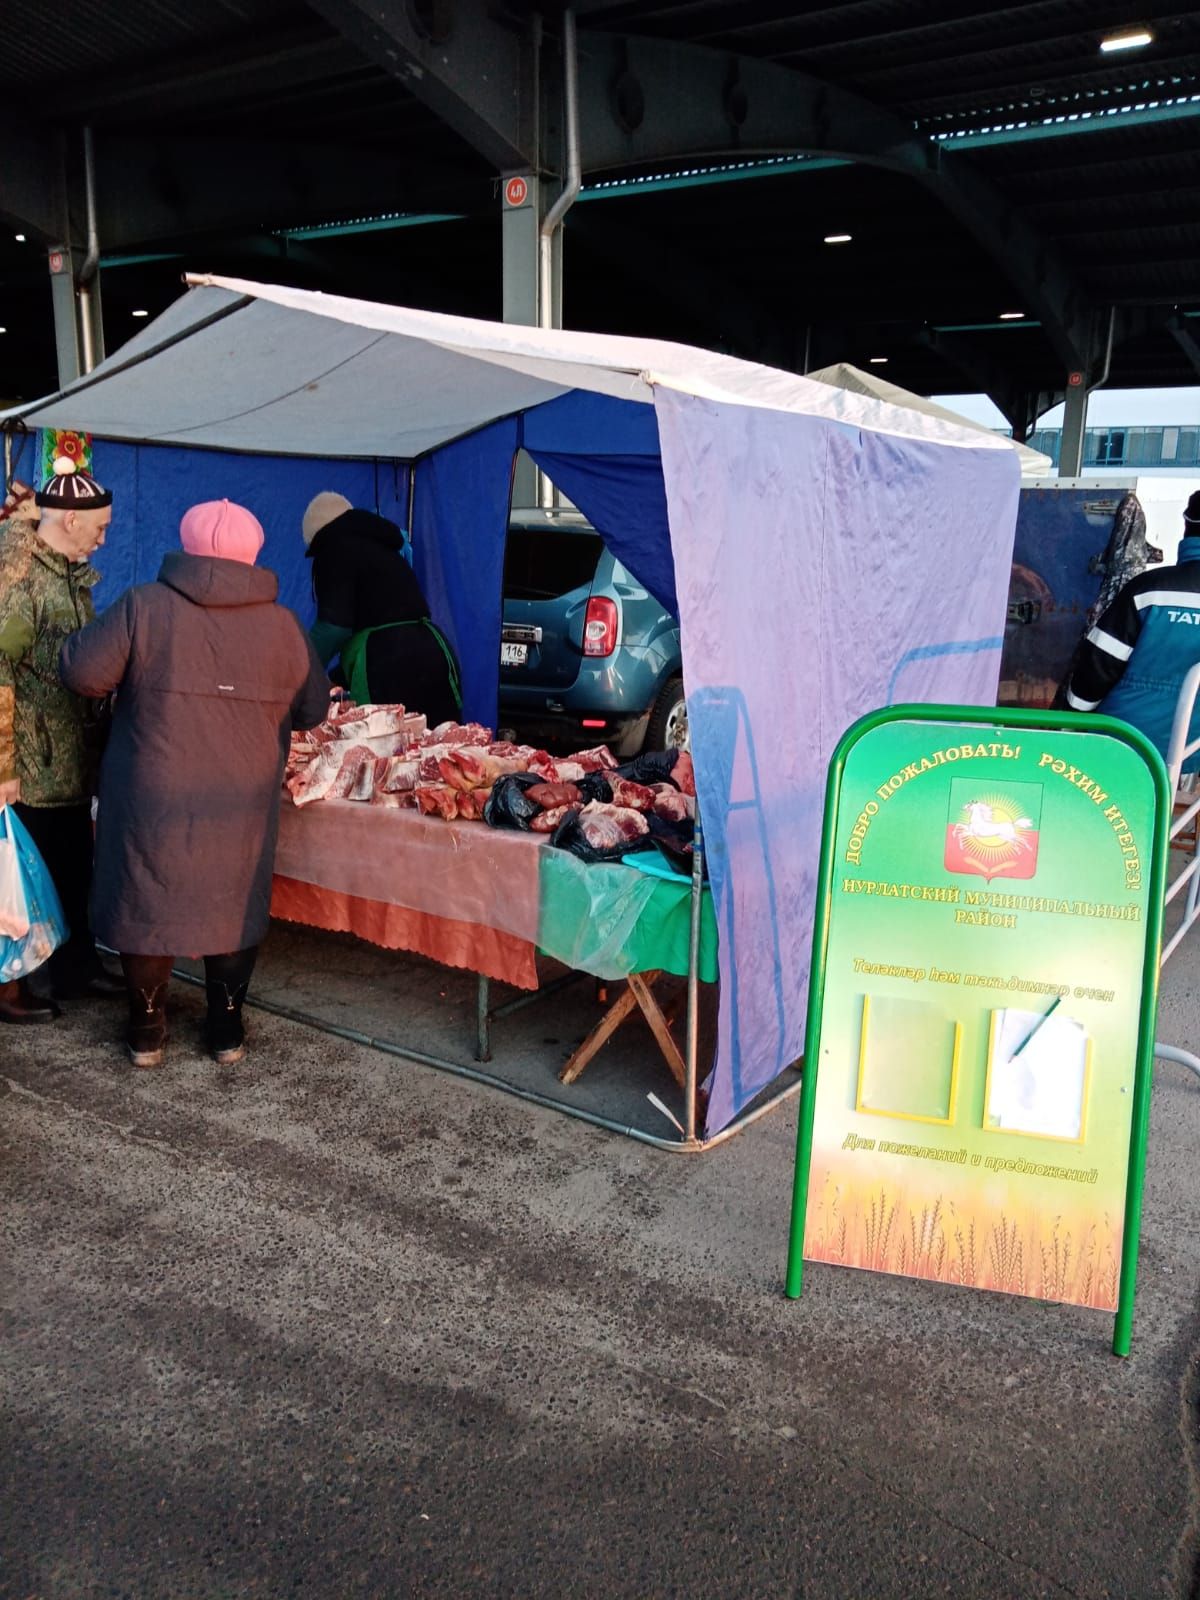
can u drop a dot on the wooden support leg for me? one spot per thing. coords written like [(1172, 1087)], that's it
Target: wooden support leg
[(639, 994), (599, 1036), (658, 1023)]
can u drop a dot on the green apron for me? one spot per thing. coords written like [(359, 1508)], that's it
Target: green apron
[(354, 660)]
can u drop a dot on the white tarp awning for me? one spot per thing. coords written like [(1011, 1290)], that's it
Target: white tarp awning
[(235, 365), (844, 376)]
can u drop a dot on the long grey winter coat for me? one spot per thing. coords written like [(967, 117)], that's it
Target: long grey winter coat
[(211, 677)]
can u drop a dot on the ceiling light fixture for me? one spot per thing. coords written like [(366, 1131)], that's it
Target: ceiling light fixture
[(139, 313), (1012, 316), (879, 361), (3, 330), (1127, 41), (838, 238), (19, 237)]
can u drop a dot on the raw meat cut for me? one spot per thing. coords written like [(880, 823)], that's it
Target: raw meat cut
[(404, 799), (371, 722), (605, 826), (551, 795), (364, 784), (469, 767), (601, 759), (547, 821), (354, 761), (395, 774), (634, 795), (316, 780), (671, 805), (684, 774), (471, 803), (568, 771), (437, 800), (428, 770), (317, 758), (543, 765), (459, 733)]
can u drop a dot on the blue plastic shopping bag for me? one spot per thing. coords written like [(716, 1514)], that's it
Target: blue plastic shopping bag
[(32, 925)]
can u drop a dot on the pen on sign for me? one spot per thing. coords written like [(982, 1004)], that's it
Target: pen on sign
[(1053, 1005)]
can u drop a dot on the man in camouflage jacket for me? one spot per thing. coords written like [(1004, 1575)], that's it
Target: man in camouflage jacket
[(49, 737)]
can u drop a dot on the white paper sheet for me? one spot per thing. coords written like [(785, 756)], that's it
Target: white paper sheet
[(1042, 1089)]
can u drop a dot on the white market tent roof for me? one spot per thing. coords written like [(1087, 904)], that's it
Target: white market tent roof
[(235, 365), (842, 375)]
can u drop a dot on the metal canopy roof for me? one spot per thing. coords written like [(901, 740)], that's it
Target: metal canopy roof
[(220, 128)]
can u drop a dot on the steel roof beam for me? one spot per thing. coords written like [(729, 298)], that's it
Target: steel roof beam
[(31, 181), (477, 73), (985, 376), (1184, 336), (645, 100)]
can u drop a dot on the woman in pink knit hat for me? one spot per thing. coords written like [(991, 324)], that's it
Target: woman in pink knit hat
[(211, 676)]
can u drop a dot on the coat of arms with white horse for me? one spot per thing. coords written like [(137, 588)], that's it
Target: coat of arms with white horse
[(993, 831)]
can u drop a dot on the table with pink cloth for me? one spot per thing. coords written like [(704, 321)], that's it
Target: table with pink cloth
[(458, 892)]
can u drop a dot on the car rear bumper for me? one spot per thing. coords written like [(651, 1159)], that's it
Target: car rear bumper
[(564, 731)]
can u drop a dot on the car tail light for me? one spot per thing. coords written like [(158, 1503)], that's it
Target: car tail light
[(600, 627)]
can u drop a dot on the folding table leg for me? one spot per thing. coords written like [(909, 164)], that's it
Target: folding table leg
[(483, 1046)]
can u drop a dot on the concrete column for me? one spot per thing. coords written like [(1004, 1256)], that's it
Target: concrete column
[(1070, 455), (520, 214), (66, 321)]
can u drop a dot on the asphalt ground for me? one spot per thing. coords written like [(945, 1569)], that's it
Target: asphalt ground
[(329, 1324)]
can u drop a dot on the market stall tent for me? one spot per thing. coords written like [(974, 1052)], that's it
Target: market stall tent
[(843, 375), (825, 552)]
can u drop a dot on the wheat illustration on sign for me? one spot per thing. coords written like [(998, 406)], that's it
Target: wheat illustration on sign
[(993, 832)]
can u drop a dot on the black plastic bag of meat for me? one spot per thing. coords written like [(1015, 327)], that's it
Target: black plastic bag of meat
[(571, 834), (674, 841), (509, 806), (651, 767), (595, 786)]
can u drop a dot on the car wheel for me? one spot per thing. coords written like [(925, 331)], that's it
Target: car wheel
[(668, 726)]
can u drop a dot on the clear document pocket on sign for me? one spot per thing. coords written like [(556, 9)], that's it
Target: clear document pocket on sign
[(908, 1060)]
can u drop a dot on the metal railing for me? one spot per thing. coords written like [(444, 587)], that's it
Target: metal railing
[(1186, 816), (1187, 810)]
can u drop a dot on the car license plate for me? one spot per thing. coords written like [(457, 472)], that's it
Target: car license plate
[(514, 655)]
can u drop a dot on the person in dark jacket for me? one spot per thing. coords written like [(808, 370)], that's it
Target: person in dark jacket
[(372, 612), (211, 676), (50, 739), (1132, 663)]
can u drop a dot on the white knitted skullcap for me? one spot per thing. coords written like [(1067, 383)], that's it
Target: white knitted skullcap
[(323, 509)]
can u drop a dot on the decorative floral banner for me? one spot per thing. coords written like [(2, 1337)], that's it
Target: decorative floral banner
[(77, 447)]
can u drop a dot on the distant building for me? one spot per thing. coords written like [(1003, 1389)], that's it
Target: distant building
[(1128, 447)]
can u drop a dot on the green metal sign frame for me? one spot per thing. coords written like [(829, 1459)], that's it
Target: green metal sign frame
[(999, 721)]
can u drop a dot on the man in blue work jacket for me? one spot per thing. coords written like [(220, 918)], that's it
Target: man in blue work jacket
[(1135, 659)]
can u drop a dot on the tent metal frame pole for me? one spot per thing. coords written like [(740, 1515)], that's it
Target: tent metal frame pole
[(489, 1080), (692, 1049)]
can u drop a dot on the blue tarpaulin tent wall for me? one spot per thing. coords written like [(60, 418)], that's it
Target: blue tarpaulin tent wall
[(153, 485), (460, 512)]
